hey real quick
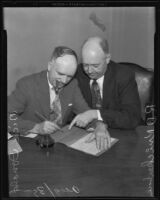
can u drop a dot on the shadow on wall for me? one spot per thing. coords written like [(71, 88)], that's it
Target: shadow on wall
[(97, 21)]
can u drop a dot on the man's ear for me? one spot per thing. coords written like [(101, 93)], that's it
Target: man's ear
[(50, 64), (108, 58)]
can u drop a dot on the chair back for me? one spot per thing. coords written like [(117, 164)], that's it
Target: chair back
[(145, 81)]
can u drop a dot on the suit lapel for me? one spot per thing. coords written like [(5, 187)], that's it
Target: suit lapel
[(43, 96), (107, 90), (84, 82), (88, 92)]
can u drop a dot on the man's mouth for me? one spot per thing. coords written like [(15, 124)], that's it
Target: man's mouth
[(59, 84), (91, 75)]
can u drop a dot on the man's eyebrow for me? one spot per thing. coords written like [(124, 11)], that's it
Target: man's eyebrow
[(96, 64), (64, 74), (90, 63), (61, 73), (69, 75)]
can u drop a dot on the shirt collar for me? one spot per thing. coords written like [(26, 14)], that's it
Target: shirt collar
[(50, 86), (99, 80)]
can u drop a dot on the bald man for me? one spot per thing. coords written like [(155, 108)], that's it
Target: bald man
[(108, 87)]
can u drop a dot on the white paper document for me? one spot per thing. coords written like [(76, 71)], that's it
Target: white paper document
[(9, 136), (13, 147), (89, 148), (31, 135)]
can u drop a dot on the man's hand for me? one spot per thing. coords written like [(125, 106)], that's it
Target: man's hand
[(84, 118), (46, 127), (102, 136)]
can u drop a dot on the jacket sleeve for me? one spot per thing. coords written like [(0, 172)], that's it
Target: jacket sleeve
[(17, 103), (127, 115), (79, 105)]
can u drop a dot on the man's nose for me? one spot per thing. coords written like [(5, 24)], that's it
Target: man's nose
[(90, 70)]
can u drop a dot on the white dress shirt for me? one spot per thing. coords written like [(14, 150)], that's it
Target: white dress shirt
[(100, 84), (51, 92)]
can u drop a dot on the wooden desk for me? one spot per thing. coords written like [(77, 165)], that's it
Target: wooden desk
[(124, 170)]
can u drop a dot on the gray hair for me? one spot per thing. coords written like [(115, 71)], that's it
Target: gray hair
[(60, 51)]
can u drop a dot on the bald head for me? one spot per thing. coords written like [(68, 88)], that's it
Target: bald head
[(95, 53), (93, 43)]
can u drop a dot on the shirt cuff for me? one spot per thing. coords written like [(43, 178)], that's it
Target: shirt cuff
[(99, 115)]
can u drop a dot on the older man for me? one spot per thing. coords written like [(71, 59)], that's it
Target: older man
[(46, 100), (108, 87)]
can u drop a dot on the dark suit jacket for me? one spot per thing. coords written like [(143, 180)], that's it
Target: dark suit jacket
[(32, 94), (121, 106)]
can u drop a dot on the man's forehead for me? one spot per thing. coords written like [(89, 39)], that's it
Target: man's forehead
[(66, 64), (92, 49), (93, 56), (66, 59)]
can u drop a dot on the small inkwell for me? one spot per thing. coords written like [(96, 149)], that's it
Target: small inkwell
[(45, 142)]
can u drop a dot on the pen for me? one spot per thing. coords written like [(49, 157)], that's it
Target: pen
[(40, 116), (45, 119)]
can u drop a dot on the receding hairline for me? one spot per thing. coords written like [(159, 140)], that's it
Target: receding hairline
[(66, 58), (61, 51), (103, 43)]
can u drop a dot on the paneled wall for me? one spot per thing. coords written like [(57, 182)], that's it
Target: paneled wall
[(32, 33)]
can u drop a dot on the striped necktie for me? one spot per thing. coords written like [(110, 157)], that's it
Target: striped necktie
[(96, 96), (56, 114)]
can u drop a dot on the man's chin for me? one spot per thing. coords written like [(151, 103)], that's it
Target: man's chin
[(60, 86), (92, 76)]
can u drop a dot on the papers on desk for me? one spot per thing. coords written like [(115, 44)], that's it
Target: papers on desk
[(9, 136), (89, 148), (13, 147), (31, 135), (76, 137)]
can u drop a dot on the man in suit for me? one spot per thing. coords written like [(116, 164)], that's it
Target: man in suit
[(108, 87), (44, 101)]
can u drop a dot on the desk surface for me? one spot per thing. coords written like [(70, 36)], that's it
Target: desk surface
[(124, 170)]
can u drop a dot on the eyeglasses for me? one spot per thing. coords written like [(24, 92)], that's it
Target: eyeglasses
[(86, 66)]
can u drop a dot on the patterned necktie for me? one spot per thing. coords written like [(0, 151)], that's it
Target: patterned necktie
[(56, 115), (96, 96)]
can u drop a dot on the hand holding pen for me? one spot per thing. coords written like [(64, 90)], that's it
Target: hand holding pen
[(46, 126)]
